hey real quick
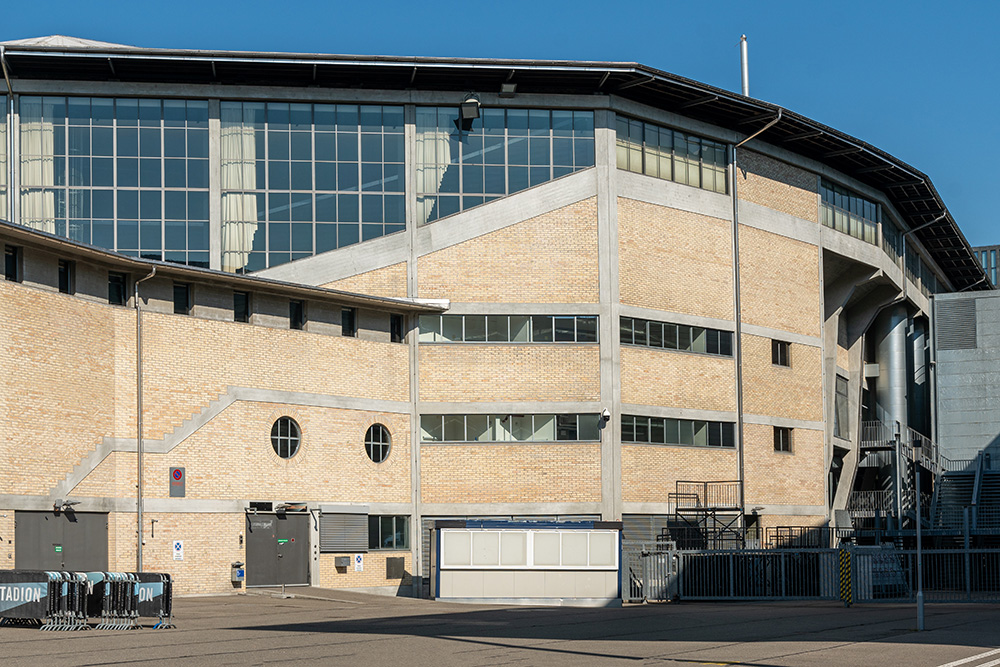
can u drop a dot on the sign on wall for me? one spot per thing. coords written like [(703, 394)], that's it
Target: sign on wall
[(178, 549), (359, 562), (177, 480)]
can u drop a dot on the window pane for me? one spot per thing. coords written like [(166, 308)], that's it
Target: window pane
[(431, 428), (451, 328), (454, 428), (496, 331), (475, 328), (520, 328), (541, 329), (586, 329)]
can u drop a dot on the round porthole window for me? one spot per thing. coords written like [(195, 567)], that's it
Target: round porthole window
[(285, 437), (377, 443)]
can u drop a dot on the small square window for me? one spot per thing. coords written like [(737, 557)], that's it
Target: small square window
[(182, 298), (781, 353), (117, 283), (12, 264), (296, 315), (348, 322), (396, 328), (782, 439), (67, 276), (241, 306)]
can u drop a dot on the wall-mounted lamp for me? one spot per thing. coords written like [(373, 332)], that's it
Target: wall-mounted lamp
[(508, 89), (152, 527), (64, 505), (468, 111)]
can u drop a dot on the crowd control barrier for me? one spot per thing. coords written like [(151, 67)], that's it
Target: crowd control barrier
[(67, 600)]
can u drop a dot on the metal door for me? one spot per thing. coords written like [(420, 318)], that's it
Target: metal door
[(277, 549), (75, 541)]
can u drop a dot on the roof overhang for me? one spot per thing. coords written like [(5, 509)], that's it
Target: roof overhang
[(20, 235), (909, 191)]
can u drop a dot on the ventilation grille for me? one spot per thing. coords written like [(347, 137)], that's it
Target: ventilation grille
[(340, 533), (956, 325)]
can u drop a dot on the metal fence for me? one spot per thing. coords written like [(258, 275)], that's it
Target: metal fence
[(877, 574)]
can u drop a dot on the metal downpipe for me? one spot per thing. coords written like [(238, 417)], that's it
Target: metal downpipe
[(138, 420)]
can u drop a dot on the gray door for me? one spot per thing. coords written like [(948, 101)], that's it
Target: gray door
[(75, 541), (277, 549)]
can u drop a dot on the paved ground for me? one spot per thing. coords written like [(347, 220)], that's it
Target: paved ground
[(354, 629)]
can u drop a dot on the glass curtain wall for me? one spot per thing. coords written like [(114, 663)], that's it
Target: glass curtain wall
[(502, 152), (301, 179), (126, 174)]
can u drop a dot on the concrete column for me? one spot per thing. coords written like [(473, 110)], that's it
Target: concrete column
[(610, 309)]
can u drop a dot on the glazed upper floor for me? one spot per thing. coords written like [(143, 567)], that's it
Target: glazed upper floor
[(242, 162)]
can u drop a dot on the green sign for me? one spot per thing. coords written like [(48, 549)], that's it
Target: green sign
[(282, 541), (58, 548)]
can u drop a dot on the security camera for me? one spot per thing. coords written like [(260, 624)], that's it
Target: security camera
[(606, 415)]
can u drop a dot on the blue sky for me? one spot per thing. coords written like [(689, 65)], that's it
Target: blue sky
[(916, 79)]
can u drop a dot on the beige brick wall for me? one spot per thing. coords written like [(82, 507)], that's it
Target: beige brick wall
[(387, 281), (58, 380), (674, 260), (373, 574), (548, 259), (522, 473), (778, 185), (211, 545), (794, 391), (231, 457), (469, 372), (782, 478), (188, 362), (677, 379), (779, 282), (650, 473)]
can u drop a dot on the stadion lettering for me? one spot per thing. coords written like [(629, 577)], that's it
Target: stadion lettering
[(14, 595)]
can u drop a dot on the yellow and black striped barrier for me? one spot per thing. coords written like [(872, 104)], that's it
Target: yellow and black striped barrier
[(846, 589)]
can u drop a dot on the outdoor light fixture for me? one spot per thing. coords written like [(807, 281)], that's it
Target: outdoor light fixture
[(606, 415), (508, 89), (468, 111), (64, 505)]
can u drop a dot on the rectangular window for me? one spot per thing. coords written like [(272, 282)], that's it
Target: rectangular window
[(67, 276), (241, 306), (12, 263), (296, 315), (849, 212), (660, 152), (782, 439), (780, 353), (685, 432), (676, 337), (343, 533), (508, 328), (182, 299), (840, 409), (466, 163), (348, 322), (396, 328), (388, 532), (510, 428), (309, 178), (117, 284), (126, 174)]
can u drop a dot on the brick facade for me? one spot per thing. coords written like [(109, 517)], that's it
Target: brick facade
[(674, 260), (548, 259), (387, 281), (777, 185)]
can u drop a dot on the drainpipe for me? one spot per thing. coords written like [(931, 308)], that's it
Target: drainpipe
[(738, 314), (9, 111), (138, 420)]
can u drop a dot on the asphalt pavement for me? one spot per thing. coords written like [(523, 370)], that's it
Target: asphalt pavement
[(321, 627)]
